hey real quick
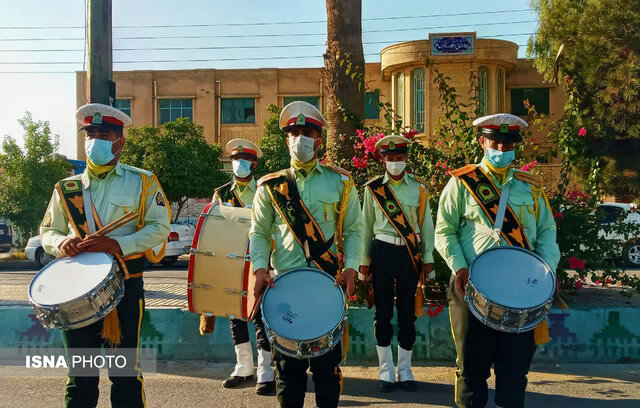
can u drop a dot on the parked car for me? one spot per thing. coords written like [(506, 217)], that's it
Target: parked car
[(178, 243), (5, 238), (36, 253), (610, 212)]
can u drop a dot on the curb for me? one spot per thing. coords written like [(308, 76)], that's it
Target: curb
[(18, 264), (596, 335)]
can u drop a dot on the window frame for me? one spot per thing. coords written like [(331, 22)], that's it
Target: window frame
[(301, 98), (367, 96), (418, 100), (483, 91), (399, 97), (524, 89), (130, 100), (170, 108), (501, 89), (255, 116)]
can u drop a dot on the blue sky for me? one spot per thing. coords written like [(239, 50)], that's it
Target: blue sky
[(51, 96)]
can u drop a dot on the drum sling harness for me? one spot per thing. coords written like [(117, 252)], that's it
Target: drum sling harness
[(227, 195), (75, 204), (391, 208), (505, 222), (304, 228)]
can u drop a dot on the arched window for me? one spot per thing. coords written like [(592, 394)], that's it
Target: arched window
[(500, 90), (483, 91), (417, 93), (400, 95)]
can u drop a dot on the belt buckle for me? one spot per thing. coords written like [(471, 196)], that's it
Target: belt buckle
[(397, 241)]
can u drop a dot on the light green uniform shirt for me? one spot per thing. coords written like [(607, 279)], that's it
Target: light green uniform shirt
[(113, 196), (463, 231), (375, 222), (245, 193), (321, 191)]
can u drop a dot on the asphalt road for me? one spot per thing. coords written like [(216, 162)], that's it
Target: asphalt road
[(199, 384), (157, 273)]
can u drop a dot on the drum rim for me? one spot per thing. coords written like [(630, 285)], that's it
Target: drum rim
[(307, 268), (553, 291), (75, 299)]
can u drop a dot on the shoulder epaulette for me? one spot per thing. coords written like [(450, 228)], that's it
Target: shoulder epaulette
[(223, 186), (338, 169), (137, 170), (271, 176), (527, 177), (419, 179), (464, 170), (373, 179)]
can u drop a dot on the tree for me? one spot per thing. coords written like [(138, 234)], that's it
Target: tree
[(179, 155), (343, 60), (29, 175), (594, 45)]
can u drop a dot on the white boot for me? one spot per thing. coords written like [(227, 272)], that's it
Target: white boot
[(265, 371), (404, 365), (244, 360), (385, 359)]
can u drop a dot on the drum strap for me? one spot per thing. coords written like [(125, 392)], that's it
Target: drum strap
[(489, 198), (391, 208), (304, 228), (227, 195)]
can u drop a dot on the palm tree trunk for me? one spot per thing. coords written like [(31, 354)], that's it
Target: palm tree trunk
[(343, 75)]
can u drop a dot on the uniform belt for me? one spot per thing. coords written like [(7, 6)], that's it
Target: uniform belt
[(391, 239)]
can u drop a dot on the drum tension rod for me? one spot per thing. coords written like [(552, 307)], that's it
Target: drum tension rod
[(208, 253), (235, 291), (198, 286), (234, 256)]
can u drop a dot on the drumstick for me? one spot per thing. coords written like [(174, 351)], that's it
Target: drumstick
[(114, 225), (253, 310)]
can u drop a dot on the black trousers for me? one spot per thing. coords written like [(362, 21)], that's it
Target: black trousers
[(393, 274), (291, 378), (478, 348), (240, 331), (126, 392)]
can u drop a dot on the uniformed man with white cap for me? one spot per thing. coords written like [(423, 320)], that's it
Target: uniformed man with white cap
[(112, 188), (398, 252), (329, 196), (239, 192), (463, 230)]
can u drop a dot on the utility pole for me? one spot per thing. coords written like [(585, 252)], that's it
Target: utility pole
[(100, 50)]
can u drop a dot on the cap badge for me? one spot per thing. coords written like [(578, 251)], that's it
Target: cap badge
[(301, 120), (504, 128), (392, 146), (97, 119), (240, 149)]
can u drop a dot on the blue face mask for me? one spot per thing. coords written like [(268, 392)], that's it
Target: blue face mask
[(499, 159), (99, 151), (241, 168)]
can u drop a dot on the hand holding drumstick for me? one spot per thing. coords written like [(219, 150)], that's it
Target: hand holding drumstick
[(98, 241)]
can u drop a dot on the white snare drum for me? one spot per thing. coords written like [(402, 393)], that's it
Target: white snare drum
[(221, 277), (304, 313), (70, 293), (510, 289)]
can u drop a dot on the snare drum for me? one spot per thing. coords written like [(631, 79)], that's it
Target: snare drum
[(510, 289), (304, 313), (221, 279), (70, 293)]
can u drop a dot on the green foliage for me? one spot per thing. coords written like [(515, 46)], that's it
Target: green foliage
[(179, 155), (28, 176), (600, 71)]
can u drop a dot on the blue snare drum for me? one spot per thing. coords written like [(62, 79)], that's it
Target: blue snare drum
[(510, 289), (304, 313)]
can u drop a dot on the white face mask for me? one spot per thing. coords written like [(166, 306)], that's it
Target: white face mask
[(241, 168), (301, 148), (396, 168)]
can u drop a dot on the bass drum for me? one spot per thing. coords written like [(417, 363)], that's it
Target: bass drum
[(221, 277), (510, 289)]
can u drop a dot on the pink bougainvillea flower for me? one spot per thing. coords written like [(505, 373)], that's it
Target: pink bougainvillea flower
[(360, 163), (558, 215), (360, 133), (410, 134), (323, 161), (529, 166), (582, 132), (575, 263), (533, 141)]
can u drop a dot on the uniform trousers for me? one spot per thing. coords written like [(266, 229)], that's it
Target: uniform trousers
[(479, 347), (389, 264), (126, 392), (291, 378), (240, 331)]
